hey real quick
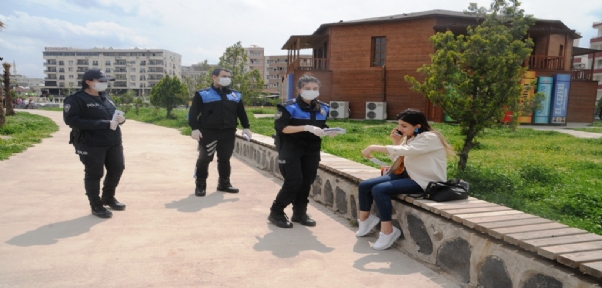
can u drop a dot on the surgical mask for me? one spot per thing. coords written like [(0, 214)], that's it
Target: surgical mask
[(100, 86), (225, 81), (310, 94)]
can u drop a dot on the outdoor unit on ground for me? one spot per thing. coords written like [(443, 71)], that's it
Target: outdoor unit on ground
[(339, 109), (376, 110)]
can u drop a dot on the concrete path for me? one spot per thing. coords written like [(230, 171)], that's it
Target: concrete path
[(167, 237), (567, 129)]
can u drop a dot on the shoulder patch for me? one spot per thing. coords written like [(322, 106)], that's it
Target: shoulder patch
[(67, 107), (278, 115)]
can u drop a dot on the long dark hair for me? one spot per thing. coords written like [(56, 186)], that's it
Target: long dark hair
[(415, 117)]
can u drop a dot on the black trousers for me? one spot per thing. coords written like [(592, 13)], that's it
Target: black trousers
[(299, 169), (220, 142), (95, 160)]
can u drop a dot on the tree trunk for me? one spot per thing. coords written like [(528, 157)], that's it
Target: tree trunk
[(168, 112), (2, 116), (9, 99), (468, 144)]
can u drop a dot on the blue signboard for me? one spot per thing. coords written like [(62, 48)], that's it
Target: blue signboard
[(544, 85), (291, 86), (560, 98)]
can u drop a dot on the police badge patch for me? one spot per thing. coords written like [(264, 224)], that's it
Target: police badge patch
[(278, 115), (322, 111), (67, 107)]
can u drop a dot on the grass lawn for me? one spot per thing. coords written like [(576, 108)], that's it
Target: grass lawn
[(22, 131), (545, 173)]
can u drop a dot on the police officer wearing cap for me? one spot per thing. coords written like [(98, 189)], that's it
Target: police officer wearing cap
[(299, 125), (213, 120), (96, 137)]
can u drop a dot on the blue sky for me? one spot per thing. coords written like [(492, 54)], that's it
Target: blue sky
[(200, 30)]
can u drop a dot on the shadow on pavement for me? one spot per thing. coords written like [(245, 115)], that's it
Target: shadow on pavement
[(287, 243), (51, 233), (193, 203)]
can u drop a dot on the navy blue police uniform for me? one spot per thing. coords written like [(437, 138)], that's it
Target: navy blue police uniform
[(298, 153), (96, 144), (214, 111)]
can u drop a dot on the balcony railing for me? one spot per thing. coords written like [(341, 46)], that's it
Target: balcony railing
[(543, 62), (309, 64), (582, 75)]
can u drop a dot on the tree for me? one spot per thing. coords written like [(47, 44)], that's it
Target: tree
[(248, 83), (192, 84), (475, 78), (168, 94), (7, 95)]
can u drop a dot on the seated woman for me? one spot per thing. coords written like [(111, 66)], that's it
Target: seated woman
[(420, 156)]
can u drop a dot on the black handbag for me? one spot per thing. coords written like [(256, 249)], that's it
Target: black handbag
[(454, 189)]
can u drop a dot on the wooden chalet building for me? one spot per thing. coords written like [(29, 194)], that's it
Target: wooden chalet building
[(365, 61)]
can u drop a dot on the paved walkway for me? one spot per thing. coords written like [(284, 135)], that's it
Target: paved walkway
[(167, 237), (568, 129)]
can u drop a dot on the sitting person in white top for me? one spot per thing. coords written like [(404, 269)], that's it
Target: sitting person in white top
[(419, 156)]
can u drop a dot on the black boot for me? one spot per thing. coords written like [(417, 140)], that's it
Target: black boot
[(223, 185), (300, 216), (99, 210), (280, 219), (113, 203), (201, 189)]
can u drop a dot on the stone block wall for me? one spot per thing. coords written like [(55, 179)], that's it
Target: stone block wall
[(472, 258)]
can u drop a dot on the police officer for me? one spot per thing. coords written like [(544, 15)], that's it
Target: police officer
[(299, 125), (213, 120), (96, 137)]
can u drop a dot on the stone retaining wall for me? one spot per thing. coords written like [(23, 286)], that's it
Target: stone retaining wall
[(471, 257)]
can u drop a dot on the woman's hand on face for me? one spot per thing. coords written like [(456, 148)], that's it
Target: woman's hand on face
[(366, 152), (395, 135)]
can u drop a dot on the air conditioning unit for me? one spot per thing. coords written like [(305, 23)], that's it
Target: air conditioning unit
[(339, 109), (376, 110)]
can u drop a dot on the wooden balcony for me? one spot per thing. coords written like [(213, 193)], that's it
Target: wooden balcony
[(308, 64), (582, 75), (543, 62)]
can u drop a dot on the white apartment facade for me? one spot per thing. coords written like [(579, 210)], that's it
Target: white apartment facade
[(135, 69)]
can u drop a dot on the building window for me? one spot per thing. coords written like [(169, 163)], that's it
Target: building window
[(379, 48), (133, 77), (133, 69), (94, 63), (107, 70), (108, 63), (70, 62), (61, 69), (70, 77), (61, 62), (70, 69)]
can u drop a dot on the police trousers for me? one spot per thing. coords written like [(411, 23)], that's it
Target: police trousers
[(95, 160), (299, 170), (214, 141)]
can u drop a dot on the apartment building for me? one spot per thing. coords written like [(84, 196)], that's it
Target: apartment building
[(255, 60), (135, 69), (276, 67)]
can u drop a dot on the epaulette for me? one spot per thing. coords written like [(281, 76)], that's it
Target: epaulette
[(289, 102), (323, 103)]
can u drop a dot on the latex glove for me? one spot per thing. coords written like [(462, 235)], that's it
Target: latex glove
[(247, 132), (120, 119), (315, 130), (196, 135), (113, 125), (331, 133)]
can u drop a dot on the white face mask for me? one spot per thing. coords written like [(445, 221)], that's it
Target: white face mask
[(310, 94), (225, 81), (100, 86)]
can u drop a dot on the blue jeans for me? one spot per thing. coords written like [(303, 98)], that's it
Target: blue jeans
[(380, 189)]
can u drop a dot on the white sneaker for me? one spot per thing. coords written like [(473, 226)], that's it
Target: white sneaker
[(366, 226), (385, 241)]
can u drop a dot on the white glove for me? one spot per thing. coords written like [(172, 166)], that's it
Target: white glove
[(315, 130), (120, 119), (196, 135), (113, 125), (247, 132), (331, 133)]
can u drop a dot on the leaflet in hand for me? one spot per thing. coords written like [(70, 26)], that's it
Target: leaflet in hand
[(117, 113), (378, 162), (334, 131)]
